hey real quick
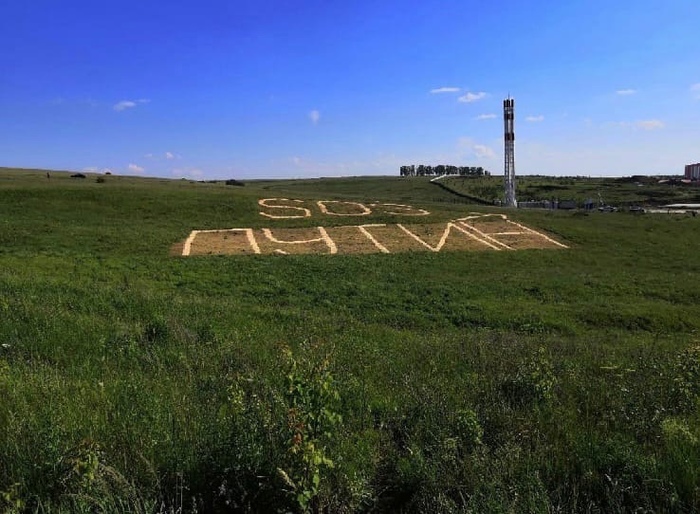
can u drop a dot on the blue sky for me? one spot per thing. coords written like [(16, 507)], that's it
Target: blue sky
[(214, 89)]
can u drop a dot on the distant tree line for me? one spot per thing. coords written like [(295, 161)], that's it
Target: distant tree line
[(423, 170)]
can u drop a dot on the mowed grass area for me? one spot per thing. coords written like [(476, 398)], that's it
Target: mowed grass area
[(530, 381)]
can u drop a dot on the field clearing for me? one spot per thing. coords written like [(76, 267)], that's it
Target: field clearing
[(441, 381)]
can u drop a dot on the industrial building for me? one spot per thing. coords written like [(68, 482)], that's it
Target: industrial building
[(692, 171)]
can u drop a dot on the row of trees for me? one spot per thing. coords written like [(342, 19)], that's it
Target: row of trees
[(442, 169)]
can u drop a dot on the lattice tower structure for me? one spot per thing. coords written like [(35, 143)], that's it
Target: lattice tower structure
[(509, 140)]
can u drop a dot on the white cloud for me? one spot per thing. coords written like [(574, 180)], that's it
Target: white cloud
[(129, 104), (535, 119), (484, 152), (472, 97), (90, 169), (650, 124), (626, 92), (136, 168), (475, 149), (169, 156), (123, 105), (314, 116), (485, 117), (445, 90)]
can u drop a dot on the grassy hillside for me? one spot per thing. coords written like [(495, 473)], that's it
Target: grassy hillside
[(529, 381)]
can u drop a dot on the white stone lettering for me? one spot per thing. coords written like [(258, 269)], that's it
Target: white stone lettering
[(187, 248), (264, 203), (324, 237), (475, 231), (380, 246), (444, 237), (403, 210), (363, 209)]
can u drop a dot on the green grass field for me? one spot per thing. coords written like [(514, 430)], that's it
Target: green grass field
[(528, 381)]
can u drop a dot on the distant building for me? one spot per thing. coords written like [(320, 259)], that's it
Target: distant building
[(692, 171)]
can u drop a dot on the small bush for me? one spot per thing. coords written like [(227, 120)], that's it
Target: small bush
[(469, 431), (312, 420)]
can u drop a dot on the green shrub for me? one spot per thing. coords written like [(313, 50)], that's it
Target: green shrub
[(313, 422)]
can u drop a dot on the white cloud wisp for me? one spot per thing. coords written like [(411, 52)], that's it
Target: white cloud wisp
[(314, 116), (129, 104), (473, 148), (484, 152), (650, 124), (472, 97), (445, 90)]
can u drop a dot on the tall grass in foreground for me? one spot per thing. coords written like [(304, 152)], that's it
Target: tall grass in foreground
[(386, 420)]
